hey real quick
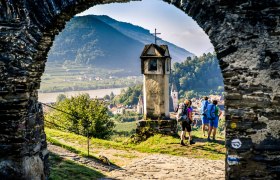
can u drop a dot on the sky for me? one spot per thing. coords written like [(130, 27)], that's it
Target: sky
[(174, 25)]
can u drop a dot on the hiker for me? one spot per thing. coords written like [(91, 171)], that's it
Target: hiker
[(204, 120), (185, 120), (213, 114), (192, 112)]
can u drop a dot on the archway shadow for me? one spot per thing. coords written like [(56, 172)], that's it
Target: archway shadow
[(63, 168), (204, 140)]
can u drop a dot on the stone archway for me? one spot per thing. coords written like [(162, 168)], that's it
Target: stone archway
[(245, 35)]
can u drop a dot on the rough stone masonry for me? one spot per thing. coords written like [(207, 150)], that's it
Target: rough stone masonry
[(245, 34)]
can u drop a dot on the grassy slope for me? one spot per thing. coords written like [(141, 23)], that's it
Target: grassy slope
[(156, 144), (127, 126), (62, 169)]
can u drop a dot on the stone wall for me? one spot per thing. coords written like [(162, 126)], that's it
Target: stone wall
[(245, 34)]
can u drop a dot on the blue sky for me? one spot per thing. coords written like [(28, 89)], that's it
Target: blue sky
[(174, 25)]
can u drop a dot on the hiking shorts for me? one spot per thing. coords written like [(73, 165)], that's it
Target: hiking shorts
[(204, 120), (186, 126), (214, 123)]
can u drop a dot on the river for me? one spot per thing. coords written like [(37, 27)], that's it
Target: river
[(99, 93)]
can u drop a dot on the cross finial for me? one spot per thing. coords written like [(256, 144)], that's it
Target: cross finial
[(155, 34)]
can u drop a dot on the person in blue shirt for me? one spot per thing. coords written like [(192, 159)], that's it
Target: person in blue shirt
[(204, 120), (213, 124)]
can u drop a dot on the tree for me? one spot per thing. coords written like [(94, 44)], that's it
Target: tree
[(60, 97), (190, 94), (112, 95), (83, 116), (129, 96), (200, 74), (107, 97)]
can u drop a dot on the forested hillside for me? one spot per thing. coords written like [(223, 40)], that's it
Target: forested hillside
[(200, 75), (87, 40), (194, 77), (105, 43), (101, 50), (130, 96)]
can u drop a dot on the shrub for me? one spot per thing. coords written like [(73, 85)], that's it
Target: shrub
[(82, 116)]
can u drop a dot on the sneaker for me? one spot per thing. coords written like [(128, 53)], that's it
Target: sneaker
[(182, 143), (192, 142)]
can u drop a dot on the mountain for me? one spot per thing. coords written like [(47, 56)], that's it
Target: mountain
[(105, 43), (138, 33)]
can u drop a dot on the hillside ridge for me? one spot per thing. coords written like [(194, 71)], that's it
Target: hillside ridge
[(106, 43)]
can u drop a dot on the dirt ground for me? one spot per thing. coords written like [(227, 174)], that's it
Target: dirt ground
[(128, 164)]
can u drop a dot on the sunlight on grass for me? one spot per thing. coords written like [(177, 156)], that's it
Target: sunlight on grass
[(127, 126), (156, 144), (131, 156)]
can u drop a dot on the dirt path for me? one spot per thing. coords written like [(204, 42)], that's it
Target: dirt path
[(136, 166)]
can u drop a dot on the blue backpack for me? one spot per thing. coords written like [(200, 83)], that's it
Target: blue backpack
[(204, 107), (210, 112)]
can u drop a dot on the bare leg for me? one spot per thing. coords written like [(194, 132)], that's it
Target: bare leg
[(203, 129), (183, 134), (190, 137), (209, 131), (214, 133)]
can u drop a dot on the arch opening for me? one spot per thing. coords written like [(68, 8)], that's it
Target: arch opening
[(202, 58), (248, 57)]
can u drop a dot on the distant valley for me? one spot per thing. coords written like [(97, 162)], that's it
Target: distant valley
[(103, 42), (98, 52)]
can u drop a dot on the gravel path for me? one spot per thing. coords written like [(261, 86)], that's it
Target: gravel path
[(155, 166)]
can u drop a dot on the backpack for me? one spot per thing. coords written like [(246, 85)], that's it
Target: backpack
[(210, 111), (204, 107), (182, 114)]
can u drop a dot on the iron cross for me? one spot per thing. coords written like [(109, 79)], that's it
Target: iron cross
[(155, 34)]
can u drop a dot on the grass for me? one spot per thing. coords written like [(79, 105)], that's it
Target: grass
[(125, 127), (170, 145), (64, 145), (62, 169), (123, 130), (156, 144)]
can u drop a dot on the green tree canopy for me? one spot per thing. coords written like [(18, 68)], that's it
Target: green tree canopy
[(198, 74), (83, 116), (60, 97), (129, 96)]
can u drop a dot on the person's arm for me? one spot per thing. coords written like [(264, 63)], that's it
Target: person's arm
[(219, 112), (190, 114), (176, 109)]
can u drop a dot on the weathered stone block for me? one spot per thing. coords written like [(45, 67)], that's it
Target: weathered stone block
[(159, 126)]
